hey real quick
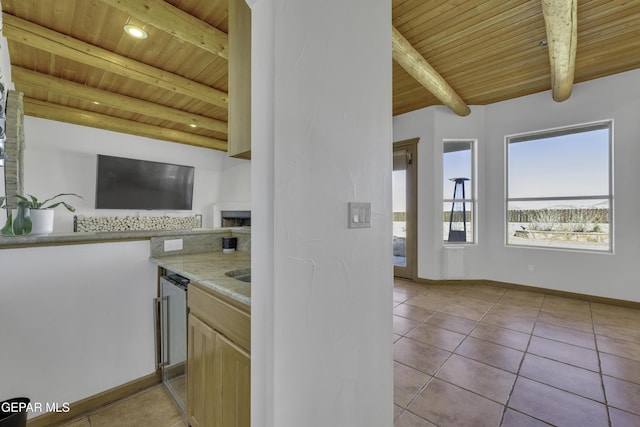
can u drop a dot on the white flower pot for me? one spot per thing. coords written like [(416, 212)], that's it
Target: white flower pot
[(41, 221)]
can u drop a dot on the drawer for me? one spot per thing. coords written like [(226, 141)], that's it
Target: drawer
[(221, 315)]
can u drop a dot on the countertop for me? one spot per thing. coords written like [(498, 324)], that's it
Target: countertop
[(8, 242), (209, 268)]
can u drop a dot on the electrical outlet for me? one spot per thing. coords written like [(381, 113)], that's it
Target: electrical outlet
[(173, 245)]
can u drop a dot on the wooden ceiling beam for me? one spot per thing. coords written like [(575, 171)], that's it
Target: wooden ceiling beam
[(176, 22), (418, 67), (561, 22), (22, 31), (60, 113), (22, 76)]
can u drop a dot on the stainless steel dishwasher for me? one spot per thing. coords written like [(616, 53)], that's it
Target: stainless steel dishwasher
[(173, 335)]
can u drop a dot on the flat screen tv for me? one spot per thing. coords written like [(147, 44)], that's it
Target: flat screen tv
[(140, 184)]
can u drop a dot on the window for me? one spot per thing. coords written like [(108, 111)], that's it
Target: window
[(458, 177), (559, 188)]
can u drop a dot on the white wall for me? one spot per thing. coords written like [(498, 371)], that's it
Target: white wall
[(321, 298), (609, 275), (61, 158), (75, 320)]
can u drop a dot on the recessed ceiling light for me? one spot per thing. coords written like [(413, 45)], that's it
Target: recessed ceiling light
[(135, 31), (193, 126), (96, 102)]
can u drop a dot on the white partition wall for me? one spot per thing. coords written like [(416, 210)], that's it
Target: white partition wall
[(321, 293)]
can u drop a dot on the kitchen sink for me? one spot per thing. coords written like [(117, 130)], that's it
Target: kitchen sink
[(243, 274)]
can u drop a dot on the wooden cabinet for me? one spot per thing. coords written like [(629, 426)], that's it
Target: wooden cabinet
[(219, 364), (239, 139)]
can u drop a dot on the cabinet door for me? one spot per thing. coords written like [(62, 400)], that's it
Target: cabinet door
[(236, 384), (204, 382)]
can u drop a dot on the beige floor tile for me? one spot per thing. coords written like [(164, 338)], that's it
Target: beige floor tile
[(620, 367), (566, 320), (407, 419), (559, 380), (153, 408), (566, 335), (558, 304), (445, 291), (400, 296), (626, 332), (83, 422), (397, 411), (623, 419), (522, 298), (565, 377), (622, 394), (429, 302), (449, 406), (492, 354), (614, 315), (402, 325), (407, 382), (452, 323), (423, 357), (484, 293), (467, 308), (438, 337), (510, 310), (490, 382), (565, 353), (502, 336), (515, 323), (555, 406), (407, 287), (396, 337), (412, 312), (622, 348), (516, 419)]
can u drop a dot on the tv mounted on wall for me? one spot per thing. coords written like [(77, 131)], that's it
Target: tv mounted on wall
[(140, 184)]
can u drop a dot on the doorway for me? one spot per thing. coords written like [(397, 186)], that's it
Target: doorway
[(405, 208)]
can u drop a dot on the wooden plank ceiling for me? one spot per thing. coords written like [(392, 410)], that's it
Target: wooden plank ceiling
[(74, 63)]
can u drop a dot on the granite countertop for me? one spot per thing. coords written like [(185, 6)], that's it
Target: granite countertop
[(7, 242), (209, 268)]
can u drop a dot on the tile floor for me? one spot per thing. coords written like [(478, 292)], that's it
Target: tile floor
[(153, 407), (479, 355)]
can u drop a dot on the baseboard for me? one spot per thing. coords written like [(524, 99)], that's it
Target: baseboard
[(583, 297), (450, 282), (91, 403)]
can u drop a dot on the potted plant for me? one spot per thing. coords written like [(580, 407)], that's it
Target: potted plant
[(32, 216)]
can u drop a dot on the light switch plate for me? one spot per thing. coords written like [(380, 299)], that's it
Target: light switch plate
[(173, 245), (359, 215)]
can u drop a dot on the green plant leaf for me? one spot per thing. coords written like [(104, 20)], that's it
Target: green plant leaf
[(32, 202), (7, 230), (69, 207), (66, 205)]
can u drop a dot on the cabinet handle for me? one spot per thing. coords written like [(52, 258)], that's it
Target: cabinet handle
[(159, 324)]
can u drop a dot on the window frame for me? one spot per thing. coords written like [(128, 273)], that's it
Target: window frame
[(472, 199), (553, 132)]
